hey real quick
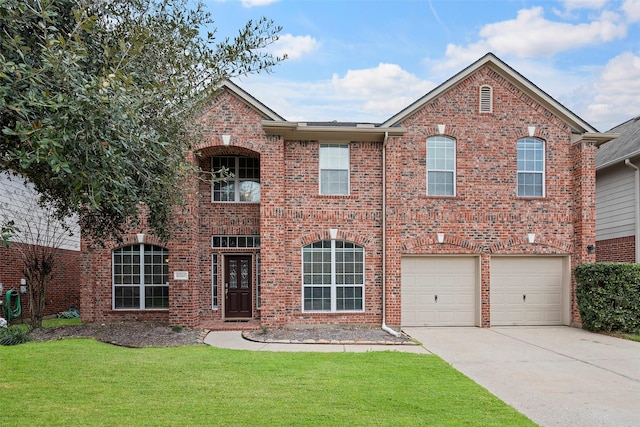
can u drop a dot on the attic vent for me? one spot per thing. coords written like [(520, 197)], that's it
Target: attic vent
[(486, 99)]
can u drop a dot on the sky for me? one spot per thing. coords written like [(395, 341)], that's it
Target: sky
[(366, 60)]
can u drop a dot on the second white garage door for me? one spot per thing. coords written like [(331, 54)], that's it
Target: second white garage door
[(527, 290), (439, 291)]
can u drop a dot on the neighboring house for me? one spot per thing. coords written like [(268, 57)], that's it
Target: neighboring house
[(19, 202), (617, 195), (469, 207)]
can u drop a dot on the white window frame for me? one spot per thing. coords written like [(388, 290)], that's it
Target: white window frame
[(532, 171), (236, 180), (341, 168), (142, 285), (453, 171), (334, 285)]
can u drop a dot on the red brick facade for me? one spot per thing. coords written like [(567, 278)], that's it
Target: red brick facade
[(622, 249), (64, 289), (485, 217)]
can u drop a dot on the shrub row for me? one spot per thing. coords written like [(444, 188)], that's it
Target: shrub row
[(608, 296)]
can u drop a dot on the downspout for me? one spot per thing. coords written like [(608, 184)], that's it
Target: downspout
[(384, 238), (637, 205)]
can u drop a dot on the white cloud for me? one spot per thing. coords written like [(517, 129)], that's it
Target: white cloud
[(366, 95), (570, 5), (294, 47), (254, 3), (383, 90), (531, 35), (616, 91), (631, 8)]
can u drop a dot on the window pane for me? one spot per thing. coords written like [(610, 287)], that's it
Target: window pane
[(440, 184), (346, 267), (243, 182), (530, 167), (156, 297), (131, 278), (334, 182), (214, 281), (441, 165), (334, 169)]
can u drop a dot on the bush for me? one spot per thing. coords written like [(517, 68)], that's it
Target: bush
[(608, 296), (14, 335)]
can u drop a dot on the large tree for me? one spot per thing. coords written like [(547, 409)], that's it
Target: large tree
[(99, 100)]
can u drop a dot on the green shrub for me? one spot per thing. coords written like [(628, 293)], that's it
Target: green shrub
[(13, 335), (608, 296)]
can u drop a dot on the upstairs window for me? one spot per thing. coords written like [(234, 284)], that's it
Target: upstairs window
[(530, 167), (333, 276), (486, 99), (334, 169), (441, 166), (243, 182), (140, 277)]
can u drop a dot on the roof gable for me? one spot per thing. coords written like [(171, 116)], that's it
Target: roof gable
[(625, 146), (492, 61), (266, 112)]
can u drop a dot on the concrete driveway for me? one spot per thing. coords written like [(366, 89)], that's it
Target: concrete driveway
[(557, 376)]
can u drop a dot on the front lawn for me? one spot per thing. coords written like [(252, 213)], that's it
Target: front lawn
[(84, 382)]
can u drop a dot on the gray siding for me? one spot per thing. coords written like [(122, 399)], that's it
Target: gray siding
[(19, 202), (615, 213)]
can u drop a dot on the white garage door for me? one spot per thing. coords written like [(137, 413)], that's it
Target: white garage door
[(527, 290), (439, 291)]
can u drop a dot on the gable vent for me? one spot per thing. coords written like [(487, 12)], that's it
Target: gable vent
[(486, 99)]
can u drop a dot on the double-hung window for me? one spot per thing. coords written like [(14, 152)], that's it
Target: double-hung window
[(243, 182), (334, 169), (333, 276), (140, 277), (530, 167), (441, 166)]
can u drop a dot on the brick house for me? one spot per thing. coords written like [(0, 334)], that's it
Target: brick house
[(617, 195), (18, 202), (470, 207)]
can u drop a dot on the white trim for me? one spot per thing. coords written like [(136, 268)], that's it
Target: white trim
[(333, 286), (542, 173), (454, 170), (320, 168)]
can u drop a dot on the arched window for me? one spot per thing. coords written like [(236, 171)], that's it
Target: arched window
[(140, 277), (441, 166), (530, 167), (242, 184), (333, 276)]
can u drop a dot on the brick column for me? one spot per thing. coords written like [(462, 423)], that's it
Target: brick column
[(584, 200), (184, 255)]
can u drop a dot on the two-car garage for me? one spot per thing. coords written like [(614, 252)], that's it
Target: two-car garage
[(445, 290)]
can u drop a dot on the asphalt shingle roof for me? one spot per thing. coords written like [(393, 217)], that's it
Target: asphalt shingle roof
[(625, 146)]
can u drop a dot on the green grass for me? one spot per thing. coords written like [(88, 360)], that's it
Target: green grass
[(85, 382), (632, 337)]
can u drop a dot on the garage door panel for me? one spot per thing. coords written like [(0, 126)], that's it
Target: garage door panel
[(527, 290), (438, 291)]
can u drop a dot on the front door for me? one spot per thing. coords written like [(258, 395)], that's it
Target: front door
[(237, 286)]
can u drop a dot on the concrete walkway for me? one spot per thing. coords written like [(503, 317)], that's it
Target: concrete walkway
[(234, 340), (556, 376)]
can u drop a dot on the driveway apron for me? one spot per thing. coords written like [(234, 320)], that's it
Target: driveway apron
[(556, 376)]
